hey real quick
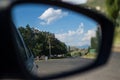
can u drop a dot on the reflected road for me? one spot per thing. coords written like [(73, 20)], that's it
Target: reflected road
[(60, 65)]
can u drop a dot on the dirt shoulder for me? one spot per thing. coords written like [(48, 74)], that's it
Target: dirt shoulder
[(116, 48)]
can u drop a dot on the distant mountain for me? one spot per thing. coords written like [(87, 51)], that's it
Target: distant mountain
[(77, 47), (82, 47)]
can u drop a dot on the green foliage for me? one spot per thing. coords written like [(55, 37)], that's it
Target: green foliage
[(113, 8), (94, 3), (117, 36), (96, 40), (41, 42), (68, 55), (110, 8), (93, 42), (76, 53)]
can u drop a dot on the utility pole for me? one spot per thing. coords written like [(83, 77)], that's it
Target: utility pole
[(49, 41)]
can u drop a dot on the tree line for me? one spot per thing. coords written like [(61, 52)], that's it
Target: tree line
[(42, 42), (96, 41), (113, 9)]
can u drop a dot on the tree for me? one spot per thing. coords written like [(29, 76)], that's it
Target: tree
[(113, 8), (41, 42), (95, 41)]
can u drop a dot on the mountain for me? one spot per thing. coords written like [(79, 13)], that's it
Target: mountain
[(84, 46)]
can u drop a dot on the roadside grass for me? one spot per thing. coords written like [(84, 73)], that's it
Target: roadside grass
[(117, 36), (49, 59), (90, 56), (116, 42)]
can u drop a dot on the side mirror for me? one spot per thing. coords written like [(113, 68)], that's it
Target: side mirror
[(65, 38)]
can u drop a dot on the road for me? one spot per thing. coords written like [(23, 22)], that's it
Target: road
[(110, 71), (53, 66)]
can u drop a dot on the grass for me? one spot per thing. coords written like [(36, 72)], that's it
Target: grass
[(90, 56), (116, 43), (117, 36)]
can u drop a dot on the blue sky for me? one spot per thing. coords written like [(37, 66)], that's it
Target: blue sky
[(72, 28)]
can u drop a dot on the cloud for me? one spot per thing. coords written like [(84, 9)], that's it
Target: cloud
[(72, 37), (75, 1), (50, 15), (89, 35), (78, 37)]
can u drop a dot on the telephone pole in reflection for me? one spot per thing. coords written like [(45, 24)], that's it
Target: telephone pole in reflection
[(49, 41)]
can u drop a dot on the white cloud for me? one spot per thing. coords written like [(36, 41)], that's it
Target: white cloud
[(89, 35), (77, 37), (51, 15), (75, 1), (72, 37)]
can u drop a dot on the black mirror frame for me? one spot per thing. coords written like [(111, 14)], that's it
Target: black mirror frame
[(107, 28)]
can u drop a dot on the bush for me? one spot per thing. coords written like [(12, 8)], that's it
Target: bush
[(76, 53), (68, 55)]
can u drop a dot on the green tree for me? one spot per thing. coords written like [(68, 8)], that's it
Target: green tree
[(113, 8), (40, 42), (113, 12), (96, 40)]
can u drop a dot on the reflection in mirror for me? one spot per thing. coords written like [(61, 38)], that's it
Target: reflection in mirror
[(60, 39)]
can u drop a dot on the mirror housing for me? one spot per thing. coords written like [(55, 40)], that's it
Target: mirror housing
[(107, 30)]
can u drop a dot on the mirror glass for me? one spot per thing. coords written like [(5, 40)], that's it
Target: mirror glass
[(57, 39)]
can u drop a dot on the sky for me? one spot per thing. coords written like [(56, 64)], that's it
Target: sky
[(69, 27), (75, 1)]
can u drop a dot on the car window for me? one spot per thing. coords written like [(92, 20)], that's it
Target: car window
[(29, 52), (21, 47)]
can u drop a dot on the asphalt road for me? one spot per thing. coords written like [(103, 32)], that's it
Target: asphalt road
[(53, 66), (110, 71)]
